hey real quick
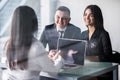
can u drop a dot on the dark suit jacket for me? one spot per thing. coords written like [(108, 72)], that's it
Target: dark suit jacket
[(50, 35)]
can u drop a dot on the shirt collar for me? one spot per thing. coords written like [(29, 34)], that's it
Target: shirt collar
[(62, 29)]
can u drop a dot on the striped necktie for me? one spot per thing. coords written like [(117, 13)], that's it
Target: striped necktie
[(61, 34)]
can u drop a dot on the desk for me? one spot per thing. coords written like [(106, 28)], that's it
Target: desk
[(89, 70)]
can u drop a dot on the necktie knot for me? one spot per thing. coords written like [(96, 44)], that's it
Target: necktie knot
[(61, 33)]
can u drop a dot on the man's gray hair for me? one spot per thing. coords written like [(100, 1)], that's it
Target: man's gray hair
[(65, 9)]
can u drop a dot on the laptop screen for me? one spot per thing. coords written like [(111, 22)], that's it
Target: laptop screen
[(73, 50)]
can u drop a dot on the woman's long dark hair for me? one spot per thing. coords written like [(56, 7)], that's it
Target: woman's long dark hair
[(97, 13), (24, 24)]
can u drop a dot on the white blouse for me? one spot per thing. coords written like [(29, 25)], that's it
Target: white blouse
[(37, 61)]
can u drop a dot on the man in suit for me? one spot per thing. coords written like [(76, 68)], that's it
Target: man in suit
[(51, 32), (61, 28)]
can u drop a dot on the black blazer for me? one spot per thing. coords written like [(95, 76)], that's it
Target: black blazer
[(50, 35), (98, 45)]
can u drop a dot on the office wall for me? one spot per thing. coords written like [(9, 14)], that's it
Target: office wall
[(111, 14)]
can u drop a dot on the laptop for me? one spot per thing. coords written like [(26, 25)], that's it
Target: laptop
[(73, 51), (3, 64)]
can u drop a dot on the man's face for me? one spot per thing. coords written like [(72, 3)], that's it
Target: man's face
[(61, 19)]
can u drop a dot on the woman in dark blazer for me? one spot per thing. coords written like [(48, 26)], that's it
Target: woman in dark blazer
[(99, 45)]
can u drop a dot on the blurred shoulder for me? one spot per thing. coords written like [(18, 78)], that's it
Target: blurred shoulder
[(36, 43), (104, 33), (72, 26), (50, 26), (84, 34), (37, 48)]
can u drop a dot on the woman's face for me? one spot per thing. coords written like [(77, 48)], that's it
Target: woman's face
[(88, 18)]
